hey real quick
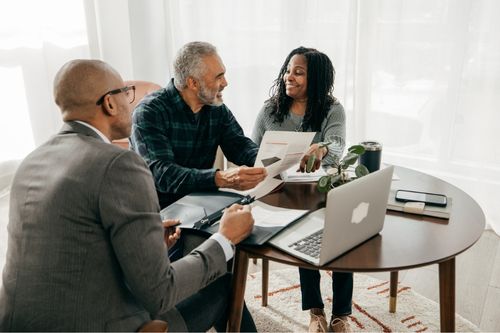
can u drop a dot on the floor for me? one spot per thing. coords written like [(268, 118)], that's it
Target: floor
[(477, 282)]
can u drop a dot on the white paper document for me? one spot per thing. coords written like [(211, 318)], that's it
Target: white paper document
[(263, 188), (293, 175), (280, 150), (266, 215)]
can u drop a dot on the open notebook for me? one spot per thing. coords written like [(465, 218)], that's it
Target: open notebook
[(203, 211)]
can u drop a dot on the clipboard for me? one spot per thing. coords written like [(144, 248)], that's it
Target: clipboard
[(200, 210)]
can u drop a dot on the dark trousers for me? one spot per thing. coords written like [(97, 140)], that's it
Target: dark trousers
[(342, 285), (207, 308)]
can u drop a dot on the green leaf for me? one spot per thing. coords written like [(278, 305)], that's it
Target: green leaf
[(349, 159), (361, 171), (324, 184), (310, 163), (324, 181), (356, 149)]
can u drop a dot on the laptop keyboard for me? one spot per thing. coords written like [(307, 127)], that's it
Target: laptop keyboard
[(310, 245)]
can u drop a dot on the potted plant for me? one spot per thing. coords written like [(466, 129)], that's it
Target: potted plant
[(339, 175)]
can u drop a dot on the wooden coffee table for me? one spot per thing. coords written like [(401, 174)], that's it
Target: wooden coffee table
[(407, 241)]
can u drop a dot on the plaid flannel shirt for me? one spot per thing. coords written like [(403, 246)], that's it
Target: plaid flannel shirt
[(180, 147)]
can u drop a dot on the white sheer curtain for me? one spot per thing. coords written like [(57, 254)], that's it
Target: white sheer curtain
[(432, 76), (36, 38), (420, 76)]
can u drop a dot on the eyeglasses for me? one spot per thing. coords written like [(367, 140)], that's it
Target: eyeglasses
[(128, 90)]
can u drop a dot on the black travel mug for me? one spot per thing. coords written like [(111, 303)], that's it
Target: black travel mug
[(372, 156)]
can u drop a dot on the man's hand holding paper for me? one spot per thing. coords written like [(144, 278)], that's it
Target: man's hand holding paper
[(240, 178), (279, 150)]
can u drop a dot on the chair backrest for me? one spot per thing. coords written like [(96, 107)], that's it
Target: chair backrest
[(142, 88), (154, 326)]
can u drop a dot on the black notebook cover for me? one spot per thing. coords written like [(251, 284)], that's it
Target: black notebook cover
[(207, 207), (197, 206)]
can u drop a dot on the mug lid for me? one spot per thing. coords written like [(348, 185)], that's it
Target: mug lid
[(371, 145)]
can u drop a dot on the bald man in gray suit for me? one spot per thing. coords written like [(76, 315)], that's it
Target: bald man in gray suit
[(87, 250)]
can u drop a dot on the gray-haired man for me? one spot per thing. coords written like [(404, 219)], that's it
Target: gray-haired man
[(177, 130)]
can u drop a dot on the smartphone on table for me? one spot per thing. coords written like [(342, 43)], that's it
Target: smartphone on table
[(433, 199)]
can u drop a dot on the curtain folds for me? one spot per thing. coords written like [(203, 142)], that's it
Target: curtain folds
[(35, 40), (420, 76)]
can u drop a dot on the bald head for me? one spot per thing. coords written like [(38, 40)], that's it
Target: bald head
[(80, 83)]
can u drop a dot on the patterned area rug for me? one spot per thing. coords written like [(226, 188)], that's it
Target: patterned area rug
[(414, 313)]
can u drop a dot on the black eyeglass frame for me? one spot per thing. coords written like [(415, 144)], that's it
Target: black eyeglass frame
[(116, 91)]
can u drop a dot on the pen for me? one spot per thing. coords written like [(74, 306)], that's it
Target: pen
[(170, 230), (246, 200), (177, 223)]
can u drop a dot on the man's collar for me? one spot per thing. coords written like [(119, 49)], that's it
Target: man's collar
[(82, 127), (102, 136), (179, 102)]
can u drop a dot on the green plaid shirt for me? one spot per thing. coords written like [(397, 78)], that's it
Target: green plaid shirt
[(180, 146)]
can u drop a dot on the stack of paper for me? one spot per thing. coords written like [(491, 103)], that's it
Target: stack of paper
[(293, 175)]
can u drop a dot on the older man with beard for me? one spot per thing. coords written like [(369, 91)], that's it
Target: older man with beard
[(177, 130)]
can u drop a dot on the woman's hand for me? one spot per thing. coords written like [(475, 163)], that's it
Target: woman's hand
[(311, 161)]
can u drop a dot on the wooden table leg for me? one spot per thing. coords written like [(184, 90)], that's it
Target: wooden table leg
[(265, 280), (447, 295), (240, 269), (393, 292)]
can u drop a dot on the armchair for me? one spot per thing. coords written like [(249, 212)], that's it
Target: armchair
[(142, 88)]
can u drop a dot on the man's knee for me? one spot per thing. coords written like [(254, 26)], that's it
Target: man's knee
[(223, 284), (207, 307)]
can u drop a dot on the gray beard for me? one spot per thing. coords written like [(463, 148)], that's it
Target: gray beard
[(204, 99)]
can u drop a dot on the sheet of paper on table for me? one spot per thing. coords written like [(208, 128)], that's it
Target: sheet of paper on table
[(263, 188), (293, 175), (266, 215)]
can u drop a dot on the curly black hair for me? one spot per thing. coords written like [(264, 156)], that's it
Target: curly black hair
[(320, 80)]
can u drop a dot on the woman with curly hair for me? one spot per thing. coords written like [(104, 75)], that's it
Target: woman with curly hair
[(302, 100)]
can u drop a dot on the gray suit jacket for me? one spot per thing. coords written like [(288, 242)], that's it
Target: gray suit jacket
[(85, 246)]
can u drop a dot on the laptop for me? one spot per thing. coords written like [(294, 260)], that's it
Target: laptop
[(354, 213)]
